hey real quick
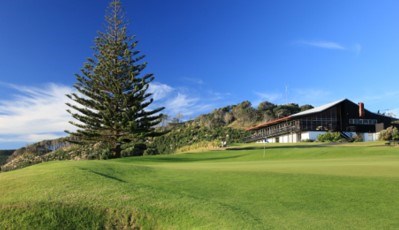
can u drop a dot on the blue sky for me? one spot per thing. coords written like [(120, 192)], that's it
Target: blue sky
[(204, 54)]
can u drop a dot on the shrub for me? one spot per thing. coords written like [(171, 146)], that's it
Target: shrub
[(151, 150), (358, 138), (395, 133), (307, 140), (391, 133), (330, 137)]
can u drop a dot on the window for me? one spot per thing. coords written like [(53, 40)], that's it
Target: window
[(362, 121)]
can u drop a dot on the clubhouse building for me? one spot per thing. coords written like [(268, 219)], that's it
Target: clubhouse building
[(344, 116)]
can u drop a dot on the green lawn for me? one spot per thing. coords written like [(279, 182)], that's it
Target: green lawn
[(303, 186)]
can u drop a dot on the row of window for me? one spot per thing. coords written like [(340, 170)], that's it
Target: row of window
[(362, 121)]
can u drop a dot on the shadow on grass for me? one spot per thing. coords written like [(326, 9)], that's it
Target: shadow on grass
[(278, 147), (104, 175), (187, 159)]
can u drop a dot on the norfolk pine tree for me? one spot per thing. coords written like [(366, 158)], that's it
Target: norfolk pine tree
[(112, 103)]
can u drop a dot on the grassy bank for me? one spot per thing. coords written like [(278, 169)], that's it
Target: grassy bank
[(306, 186)]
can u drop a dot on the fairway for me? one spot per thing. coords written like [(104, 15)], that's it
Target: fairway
[(291, 186)]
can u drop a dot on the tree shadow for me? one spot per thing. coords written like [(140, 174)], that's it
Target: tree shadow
[(277, 147), (187, 159), (104, 175)]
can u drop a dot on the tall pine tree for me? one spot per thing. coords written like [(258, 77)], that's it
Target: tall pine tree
[(112, 103)]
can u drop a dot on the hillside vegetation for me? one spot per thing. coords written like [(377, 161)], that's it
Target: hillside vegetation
[(292, 186), (4, 154), (36, 153), (244, 115)]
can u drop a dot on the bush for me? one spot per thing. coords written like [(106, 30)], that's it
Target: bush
[(391, 133), (307, 140), (358, 138), (330, 137), (151, 150), (134, 149)]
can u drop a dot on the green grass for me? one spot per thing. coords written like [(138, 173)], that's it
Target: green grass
[(301, 186)]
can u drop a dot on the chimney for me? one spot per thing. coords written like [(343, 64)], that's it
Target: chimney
[(361, 109)]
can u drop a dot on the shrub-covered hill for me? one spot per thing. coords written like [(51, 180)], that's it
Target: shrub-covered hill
[(46, 150), (244, 115), (4, 155)]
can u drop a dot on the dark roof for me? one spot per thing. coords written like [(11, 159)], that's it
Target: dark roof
[(318, 109)]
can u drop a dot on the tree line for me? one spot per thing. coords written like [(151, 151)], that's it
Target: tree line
[(244, 115)]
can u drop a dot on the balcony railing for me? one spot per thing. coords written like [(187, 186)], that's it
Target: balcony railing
[(272, 133)]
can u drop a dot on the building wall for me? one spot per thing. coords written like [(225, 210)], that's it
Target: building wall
[(284, 139), (311, 135), (271, 140), (289, 138), (370, 136)]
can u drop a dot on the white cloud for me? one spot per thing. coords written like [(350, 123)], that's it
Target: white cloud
[(29, 138), (35, 113), (179, 100), (186, 105), (322, 44), (159, 90)]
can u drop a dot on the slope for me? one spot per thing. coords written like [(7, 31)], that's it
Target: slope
[(281, 186)]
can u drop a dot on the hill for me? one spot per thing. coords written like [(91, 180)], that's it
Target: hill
[(243, 115), (36, 153), (4, 155), (296, 186)]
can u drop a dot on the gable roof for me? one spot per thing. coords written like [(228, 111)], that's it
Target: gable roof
[(318, 109)]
